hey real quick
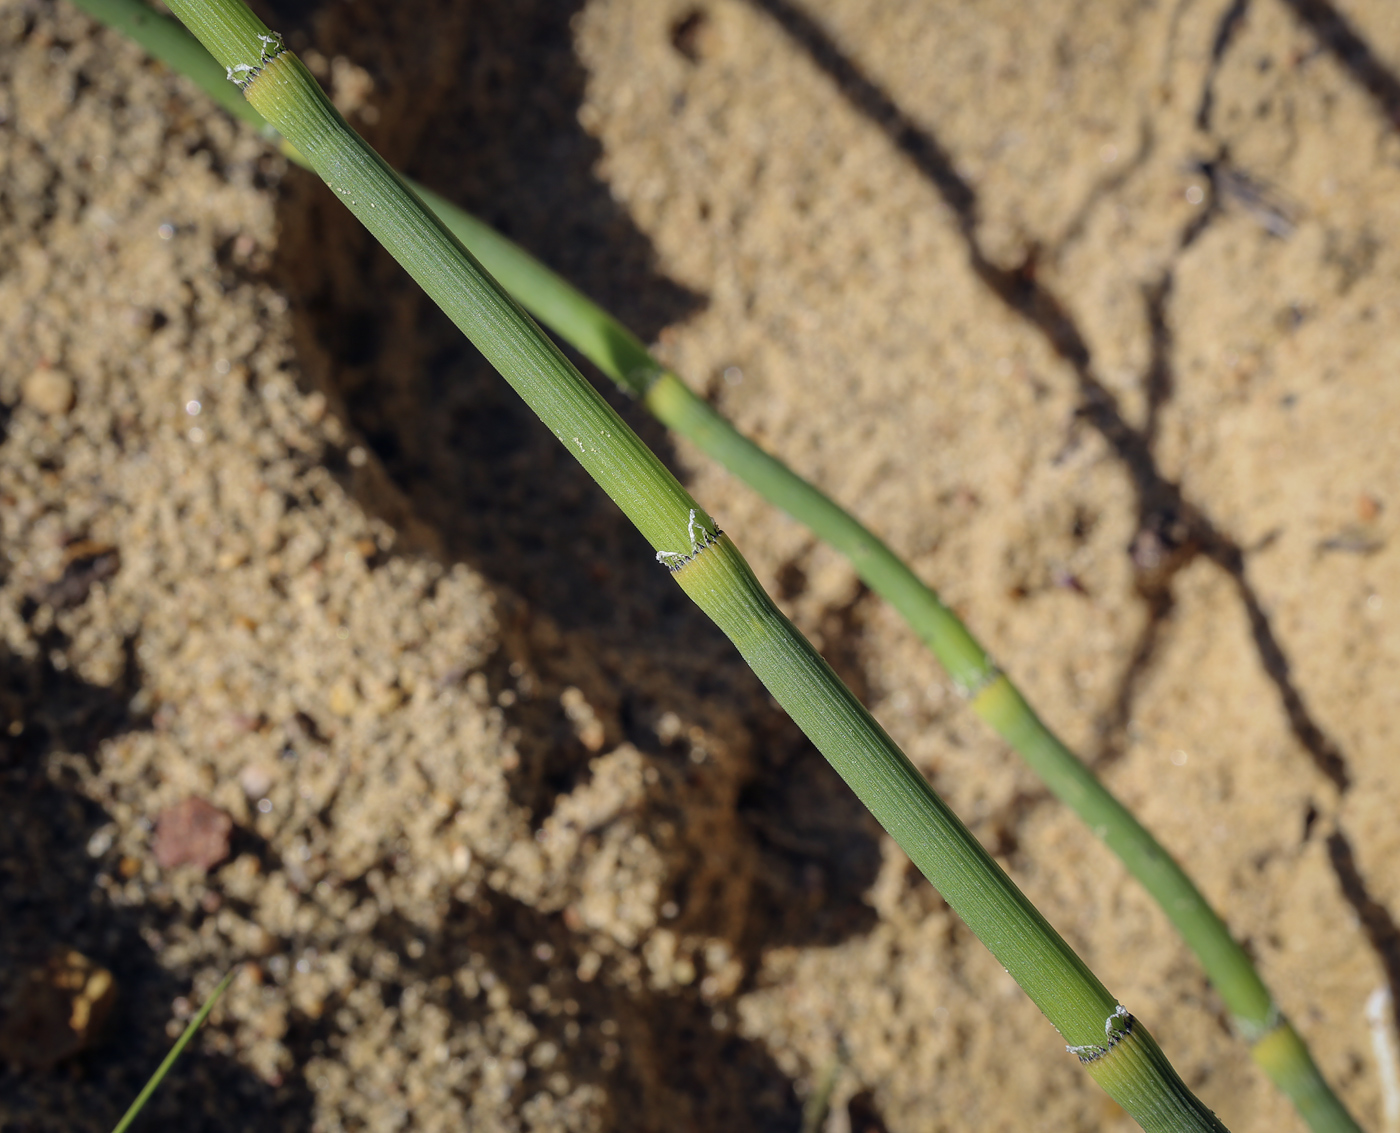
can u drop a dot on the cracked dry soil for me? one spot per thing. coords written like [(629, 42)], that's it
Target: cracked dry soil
[(1093, 317)]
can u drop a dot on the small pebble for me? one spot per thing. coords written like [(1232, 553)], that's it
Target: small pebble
[(342, 699), (256, 780), (49, 392), (192, 832)]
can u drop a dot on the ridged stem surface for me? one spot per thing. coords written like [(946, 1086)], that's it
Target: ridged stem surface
[(705, 563), (619, 354)]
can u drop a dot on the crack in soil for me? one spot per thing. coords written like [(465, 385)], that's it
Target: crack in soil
[(1377, 923), (1165, 515), (1335, 34)]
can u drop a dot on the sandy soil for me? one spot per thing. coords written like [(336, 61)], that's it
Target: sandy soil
[(1092, 316)]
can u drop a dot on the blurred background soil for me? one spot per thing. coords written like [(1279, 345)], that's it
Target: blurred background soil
[(1091, 314)]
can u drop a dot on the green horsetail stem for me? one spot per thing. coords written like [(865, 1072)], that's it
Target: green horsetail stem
[(619, 354), (1116, 1048)]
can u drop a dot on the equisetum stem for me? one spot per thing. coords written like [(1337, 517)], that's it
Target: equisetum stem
[(619, 354), (1117, 1049), (622, 356)]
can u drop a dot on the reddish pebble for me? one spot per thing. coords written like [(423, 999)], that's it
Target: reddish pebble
[(192, 832)]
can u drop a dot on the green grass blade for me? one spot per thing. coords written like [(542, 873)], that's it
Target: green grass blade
[(1117, 1050), (175, 1051)]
